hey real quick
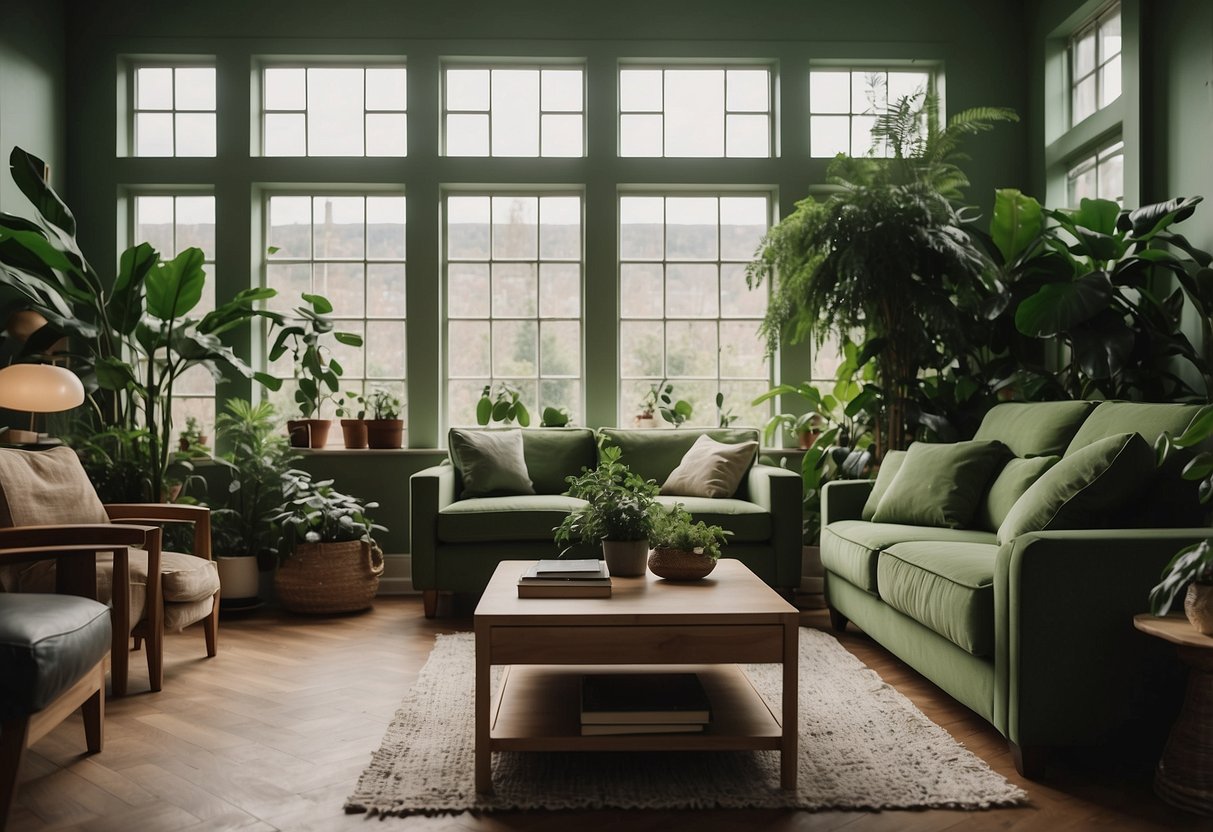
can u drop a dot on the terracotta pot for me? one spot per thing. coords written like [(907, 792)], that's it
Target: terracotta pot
[(384, 433), (649, 421), (1198, 604), (625, 558), (354, 432), (680, 564), (308, 433), (807, 439), (239, 578)]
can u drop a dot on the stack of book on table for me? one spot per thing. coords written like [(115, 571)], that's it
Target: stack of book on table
[(643, 703), (587, 578)]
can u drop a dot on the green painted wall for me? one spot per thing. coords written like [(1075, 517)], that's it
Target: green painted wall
[(32, 93)]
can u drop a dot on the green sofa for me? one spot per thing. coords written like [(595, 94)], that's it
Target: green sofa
[(1034, 634), (457, 543)]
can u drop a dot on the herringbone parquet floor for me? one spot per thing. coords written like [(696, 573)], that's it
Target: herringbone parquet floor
[(273, 733)]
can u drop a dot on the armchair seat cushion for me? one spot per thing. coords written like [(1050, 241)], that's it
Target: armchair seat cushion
[(512, 518), (749, 522), (183, 578), (47, 642), (948, 587), (849, 548)]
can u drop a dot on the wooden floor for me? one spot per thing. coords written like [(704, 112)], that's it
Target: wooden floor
[(274, 732)]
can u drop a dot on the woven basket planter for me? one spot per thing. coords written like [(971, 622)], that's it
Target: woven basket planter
[(321, 578), (680, 565)]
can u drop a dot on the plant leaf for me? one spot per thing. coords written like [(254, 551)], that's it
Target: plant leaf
[(1057, 307), (1017, 222)]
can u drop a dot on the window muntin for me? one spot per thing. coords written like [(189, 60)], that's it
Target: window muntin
[(1095, 73), (1099, 175), (334, 111), (514, 111), (174, 111), (844, 104), (695, 111), (171, 224), (513, 300), (686, 314), (350, 249)]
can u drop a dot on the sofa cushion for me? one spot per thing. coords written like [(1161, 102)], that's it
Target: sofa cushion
[(940, 484), (1006, 489), (710, 469), (889, 466), (493, 519), (1150, 420), (749, 522), (1084, 489), (553, 454), (1034, 428), (46, 488), (948, 587), (490, 462), (849, 547), (654, 453)]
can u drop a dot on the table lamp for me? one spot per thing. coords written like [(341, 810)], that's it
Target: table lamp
[(37, 388)]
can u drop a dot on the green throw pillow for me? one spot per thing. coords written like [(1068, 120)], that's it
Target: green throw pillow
[(888, 469), (490, 462), (1016, 477), (1083, 490), (940, 485)]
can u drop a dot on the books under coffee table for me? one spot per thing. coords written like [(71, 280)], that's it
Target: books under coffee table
[(643, 703)]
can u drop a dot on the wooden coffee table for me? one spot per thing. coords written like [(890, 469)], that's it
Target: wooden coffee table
[(705, 627)]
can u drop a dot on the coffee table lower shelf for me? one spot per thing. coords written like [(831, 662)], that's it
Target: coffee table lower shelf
[(537, 708)]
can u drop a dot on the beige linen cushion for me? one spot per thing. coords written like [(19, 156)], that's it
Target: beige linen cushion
[(46, 488), (710, 469)]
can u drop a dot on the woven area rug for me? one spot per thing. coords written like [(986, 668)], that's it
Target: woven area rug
[(862, 746)]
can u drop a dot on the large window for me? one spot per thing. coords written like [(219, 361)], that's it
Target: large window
[(174, 111), (1095, 77), (513, 300), (334, 111), (687, 315), (682, 111), (844, 104), (514, 111), (171, 224), (1098, 175), (350, 249)]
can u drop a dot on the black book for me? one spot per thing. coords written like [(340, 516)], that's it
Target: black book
[(638, 698)]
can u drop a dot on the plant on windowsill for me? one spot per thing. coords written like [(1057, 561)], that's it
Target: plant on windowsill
[(351, 410), (385, 428), (619, 513), (317, 373), (504, 407), (556, 417), (684, 549), (330, 563), (725, 417), (192, 439)]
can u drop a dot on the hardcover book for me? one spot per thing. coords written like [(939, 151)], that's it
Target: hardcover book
[(653, 728), (643, 698)]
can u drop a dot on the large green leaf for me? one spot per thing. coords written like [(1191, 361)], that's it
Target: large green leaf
[(1057, 307), (1098, 215), (1149, 220), (1102, 345), (1198, 430), (1017, 222), (125, 306), (174, 287), (29, 174)]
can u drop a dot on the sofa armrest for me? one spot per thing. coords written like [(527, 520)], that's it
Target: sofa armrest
[(1070, 667), (844, 500), (778, 490), (430, 490)]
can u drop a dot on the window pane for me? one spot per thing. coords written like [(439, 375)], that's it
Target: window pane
[(1083, 183), (641, 348), (285, 88), (515, 112), (285, 134), (195, 88), (290, 226), (691, 291), (1111, 176), (641, 232), (515, 349), (743, 221), (1084, 54), (690, 348), (691, 228), (747, 136), (641, 290), (1109, 82), (829, 92), (561, 135), (291, 280), (911, 85), (386, 134), (862, 143), (385, 349), (1109, 37), (869, 92), (385, 227), (736, 298), (829, 135), (747, 90), (351, 359), (515, 227), (560, 290), (154, 222), (515, 290), (339, 226), (196, 223), (386, 88), (1084, 99), (562, 90), (694, 112), (640, 135), (468, 291), (467, 227), (560, 228), (335, 112), (195, 134), (154, 88), (385, 290), (467, 135), (560, 352), (742, 351), (640, 90), (467, 89), (344, 285), (470, 353), (154, 134)]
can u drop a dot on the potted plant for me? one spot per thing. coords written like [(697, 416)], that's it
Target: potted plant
[(555, 417), (619, 514), (329, 561), (725, 416), (660, 400), (506, 406), (351, 410), (317, 373), (192, 438), (819, 413), (1192, 568), (244, 535), (385, 428), (684, 549)]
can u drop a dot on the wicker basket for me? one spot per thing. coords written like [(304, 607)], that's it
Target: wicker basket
[(680, 565), (330, 577)]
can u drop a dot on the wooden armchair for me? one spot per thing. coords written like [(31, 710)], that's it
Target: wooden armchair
[(47, 501)]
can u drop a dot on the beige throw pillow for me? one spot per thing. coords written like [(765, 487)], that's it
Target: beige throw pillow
[(710, 469), (46, 488)]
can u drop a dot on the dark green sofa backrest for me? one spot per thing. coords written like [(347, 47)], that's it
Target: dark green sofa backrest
[(551, 454), (1034, 428), (654, 452)]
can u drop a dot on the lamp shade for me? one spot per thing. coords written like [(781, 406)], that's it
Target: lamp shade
[(39, 388)]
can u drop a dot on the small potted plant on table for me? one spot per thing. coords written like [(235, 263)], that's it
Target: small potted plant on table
[(351, 410), (385, 428), (684, 549), (619, 513), (1191, 567)]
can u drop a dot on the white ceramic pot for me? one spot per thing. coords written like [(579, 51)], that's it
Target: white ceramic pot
[(626, 558), (1198, 604), (238, 577)]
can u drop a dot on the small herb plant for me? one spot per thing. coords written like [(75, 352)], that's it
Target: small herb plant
[(351, 406), (505, 406), (1191, 565), (317, 373), (676, 529), (660, 399), (619, 504), (383, 404), (315, 512), (725, 417)]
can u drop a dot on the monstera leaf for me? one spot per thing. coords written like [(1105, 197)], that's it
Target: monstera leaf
[(1057, 307)]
